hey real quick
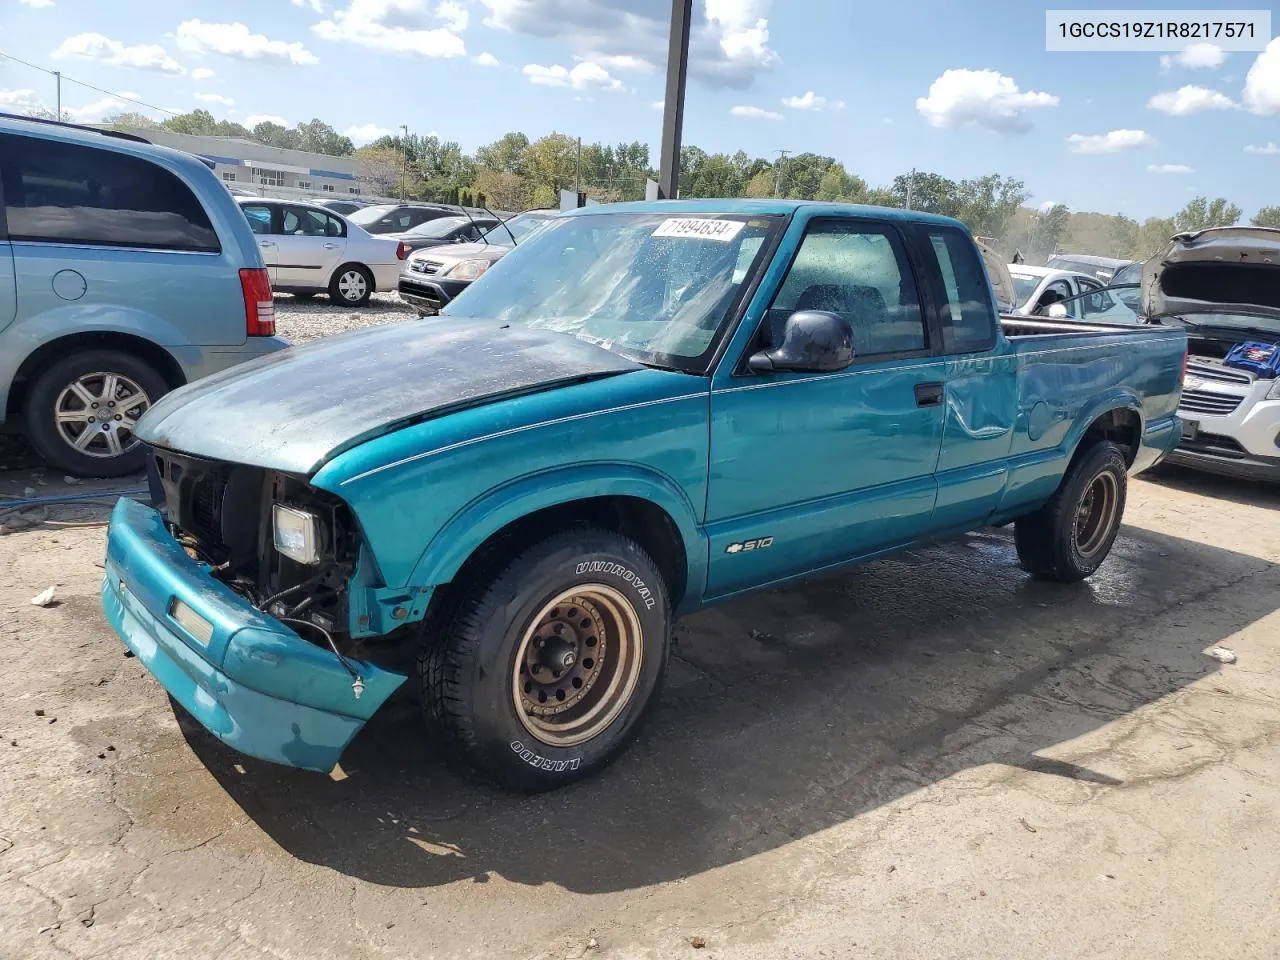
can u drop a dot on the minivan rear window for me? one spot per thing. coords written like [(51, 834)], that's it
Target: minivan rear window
[(68, 193)]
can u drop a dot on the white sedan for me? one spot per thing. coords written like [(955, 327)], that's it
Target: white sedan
[(308, 249), (1035, 288)]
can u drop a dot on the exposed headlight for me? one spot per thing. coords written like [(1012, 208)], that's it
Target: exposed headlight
[(467, 269), (1274, 392), (296, 533)]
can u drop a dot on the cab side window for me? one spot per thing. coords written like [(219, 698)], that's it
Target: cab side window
[(860, 272), (968, 320)]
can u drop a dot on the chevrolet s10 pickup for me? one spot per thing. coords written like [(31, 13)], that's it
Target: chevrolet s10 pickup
[(642, 410)]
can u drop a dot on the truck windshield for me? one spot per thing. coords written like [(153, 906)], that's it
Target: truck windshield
[(656, 288)]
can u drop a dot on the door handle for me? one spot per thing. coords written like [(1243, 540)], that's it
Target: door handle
[(928, 394), (266, 243), (331, 246)]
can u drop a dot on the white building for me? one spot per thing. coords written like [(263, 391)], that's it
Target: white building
[(248, 166)]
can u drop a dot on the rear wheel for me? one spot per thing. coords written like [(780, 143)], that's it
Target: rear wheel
[(543, 670), (81, 413), (1070, 536), (351, 286)]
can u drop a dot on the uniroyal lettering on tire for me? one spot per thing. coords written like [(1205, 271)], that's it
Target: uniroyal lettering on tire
[(618, 570)]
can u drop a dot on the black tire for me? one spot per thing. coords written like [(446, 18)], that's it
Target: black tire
[(1055, 543), (468, 671), (40, 409), (340, 280)]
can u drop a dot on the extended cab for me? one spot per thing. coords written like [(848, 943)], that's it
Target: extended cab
[(642, 410)]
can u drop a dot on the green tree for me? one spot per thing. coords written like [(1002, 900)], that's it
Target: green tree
[(800, 177), (201, 123), (552, 163), (317, 136), (275, 135), (930, 192), (986, 205), (761, 185), (132, 121), (1152, 235), (1046, 231), (504, 155), (381, 168), (1201, 213), (1267, 217)]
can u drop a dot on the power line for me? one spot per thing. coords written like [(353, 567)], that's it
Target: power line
[(109, 93)]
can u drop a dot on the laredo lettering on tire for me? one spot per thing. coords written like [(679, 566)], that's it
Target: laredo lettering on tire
[(546, 664)]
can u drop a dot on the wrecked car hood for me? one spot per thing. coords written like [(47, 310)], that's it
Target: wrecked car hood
[(295, 409), (1221, 271)]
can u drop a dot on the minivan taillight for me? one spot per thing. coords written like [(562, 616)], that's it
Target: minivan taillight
[(401, 251), (259, 306)]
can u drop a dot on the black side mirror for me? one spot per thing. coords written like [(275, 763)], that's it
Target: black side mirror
[(814, 341)]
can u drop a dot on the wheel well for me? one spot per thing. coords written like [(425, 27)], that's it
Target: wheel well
[(1121, 426), (640, 520), (153, 354)]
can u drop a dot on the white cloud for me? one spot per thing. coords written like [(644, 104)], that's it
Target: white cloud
[(1111, 142), (37, 4), (96, 110), (658, 104), (201, 73), (982, 98), (1188, 100), (1269, 150), (19, 100), (257, 118), (1168, 168), (399, 26), (727, 48), (488, 60), (94, 46), (315, 6), (584, 76), (811, 101), (215, 98), (1262, 85), (1047, 206), (757, 112), (1198, 56), (237, 41), (366, 133), (621, 62)]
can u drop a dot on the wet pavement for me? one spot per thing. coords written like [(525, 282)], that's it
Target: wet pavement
[(932, 755)]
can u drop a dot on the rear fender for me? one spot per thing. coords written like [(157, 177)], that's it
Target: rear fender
[(1120, 398)]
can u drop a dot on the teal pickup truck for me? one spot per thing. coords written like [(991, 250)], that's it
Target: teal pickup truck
[(645, 409)]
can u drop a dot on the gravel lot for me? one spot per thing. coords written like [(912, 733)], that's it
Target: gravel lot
[(300, 319), (929, 756)]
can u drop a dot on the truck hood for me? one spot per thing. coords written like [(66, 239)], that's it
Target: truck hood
[(1224, 270), (295, 409)]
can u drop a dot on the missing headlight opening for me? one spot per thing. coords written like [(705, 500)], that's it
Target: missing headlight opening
[(286, 547)]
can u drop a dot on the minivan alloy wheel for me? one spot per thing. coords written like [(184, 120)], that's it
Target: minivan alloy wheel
[(97, 413)]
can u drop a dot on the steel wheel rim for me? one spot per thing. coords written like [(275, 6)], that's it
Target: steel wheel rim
[(97, 414), (591, 634), (1096, 513), (352, 285)]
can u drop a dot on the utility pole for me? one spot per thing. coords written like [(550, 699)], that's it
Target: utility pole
[(58, 77), (777, 171), (673, 106), (404, 159), (577, 170)]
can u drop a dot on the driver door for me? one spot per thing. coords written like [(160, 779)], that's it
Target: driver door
[(813, 469)]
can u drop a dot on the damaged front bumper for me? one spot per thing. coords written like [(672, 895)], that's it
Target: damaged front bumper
[(247, 678)]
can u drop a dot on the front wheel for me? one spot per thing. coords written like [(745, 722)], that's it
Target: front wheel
[(351, 286), (1070, 536), (543, 672)]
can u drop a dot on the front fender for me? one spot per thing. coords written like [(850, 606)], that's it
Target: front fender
[(484, 516)]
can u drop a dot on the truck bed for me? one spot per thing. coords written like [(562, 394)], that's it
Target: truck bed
[(1016, 326)]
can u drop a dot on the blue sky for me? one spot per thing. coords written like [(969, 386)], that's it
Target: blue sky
[(952, 86)]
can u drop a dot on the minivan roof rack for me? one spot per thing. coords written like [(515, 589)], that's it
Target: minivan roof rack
[(76, 126)]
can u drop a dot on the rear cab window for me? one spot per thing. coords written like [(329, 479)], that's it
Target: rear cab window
[(59, 192), (965, 312)]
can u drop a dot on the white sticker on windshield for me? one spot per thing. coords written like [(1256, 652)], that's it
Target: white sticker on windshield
[(700, 228)]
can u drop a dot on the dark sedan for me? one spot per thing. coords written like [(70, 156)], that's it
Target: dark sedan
[(442, 230)]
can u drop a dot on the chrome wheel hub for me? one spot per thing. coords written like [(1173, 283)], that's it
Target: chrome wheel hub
[(352, 285)]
